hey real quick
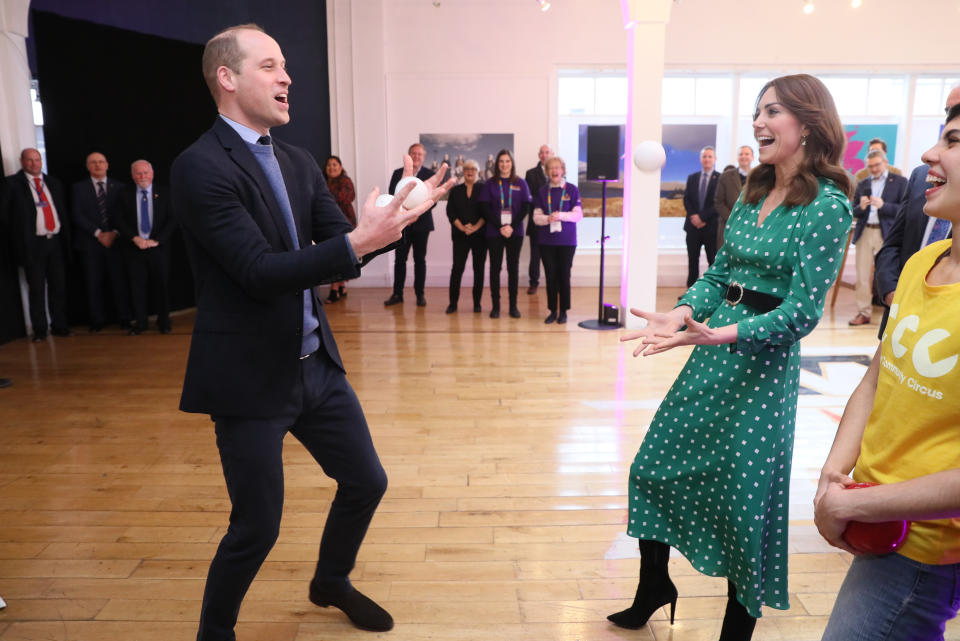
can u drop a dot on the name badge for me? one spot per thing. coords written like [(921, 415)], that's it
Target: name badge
[(556, 226), (506, 217)]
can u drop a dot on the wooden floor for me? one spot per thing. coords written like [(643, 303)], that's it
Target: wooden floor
[(507, 443)]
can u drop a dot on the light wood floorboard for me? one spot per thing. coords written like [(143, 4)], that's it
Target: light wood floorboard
[(507, 443)]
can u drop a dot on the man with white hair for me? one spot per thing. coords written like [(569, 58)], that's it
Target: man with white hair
[(145, 226)]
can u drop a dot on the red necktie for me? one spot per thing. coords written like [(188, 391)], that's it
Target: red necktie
[(47, 210)]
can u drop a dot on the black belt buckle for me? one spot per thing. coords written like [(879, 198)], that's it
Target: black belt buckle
[(735, 290)]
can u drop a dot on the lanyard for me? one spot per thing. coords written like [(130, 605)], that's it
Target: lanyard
[(563, 192), (509, 203)]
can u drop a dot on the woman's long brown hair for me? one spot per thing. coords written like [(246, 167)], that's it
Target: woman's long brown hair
[(808, 99)]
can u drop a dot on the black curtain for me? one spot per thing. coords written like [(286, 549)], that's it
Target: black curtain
[(11, 311), (127, 95)]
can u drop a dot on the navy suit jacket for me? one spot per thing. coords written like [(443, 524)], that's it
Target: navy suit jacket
[(20, 205), (691, 198), (128, 222), (894, 192), (906, 233), (250, 281), (85, 215), (424, 222)]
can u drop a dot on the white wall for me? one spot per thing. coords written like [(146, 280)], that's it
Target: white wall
[(485, 66)]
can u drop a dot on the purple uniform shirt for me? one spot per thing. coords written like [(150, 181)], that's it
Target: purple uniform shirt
[(497, 192), (571, 198)]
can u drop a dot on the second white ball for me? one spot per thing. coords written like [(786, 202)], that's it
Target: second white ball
[(417, 196), (383, 200)]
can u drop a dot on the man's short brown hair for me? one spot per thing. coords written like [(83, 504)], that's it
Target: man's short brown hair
[(223, 50)]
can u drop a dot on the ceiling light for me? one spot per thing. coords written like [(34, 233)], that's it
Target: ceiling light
[(544, 5), (808, 7), (856, 4)]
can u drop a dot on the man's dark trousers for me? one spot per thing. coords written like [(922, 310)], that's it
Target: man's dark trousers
[(331, 425), (417, 240)]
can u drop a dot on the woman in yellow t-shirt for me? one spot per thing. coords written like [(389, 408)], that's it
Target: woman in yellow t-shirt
[(900, 430)]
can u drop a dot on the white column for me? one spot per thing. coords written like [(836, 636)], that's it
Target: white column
[(646, 37), (16, 111), (358, 112)]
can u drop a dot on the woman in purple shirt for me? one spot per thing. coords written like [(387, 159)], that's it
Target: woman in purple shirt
[(556, 213), (507, 199)]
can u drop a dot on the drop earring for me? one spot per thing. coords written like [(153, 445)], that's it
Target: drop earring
[(803, 141)]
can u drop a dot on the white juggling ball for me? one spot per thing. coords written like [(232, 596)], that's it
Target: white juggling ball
[(649, 155), (383, 200), (417, 196)]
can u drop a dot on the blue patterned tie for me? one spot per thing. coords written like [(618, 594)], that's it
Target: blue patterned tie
[(144, 214), (940, 230), (703, 191)]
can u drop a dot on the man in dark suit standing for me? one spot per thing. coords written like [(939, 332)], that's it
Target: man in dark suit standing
[(145, 226), (262, 230), (875, 203), (415, 236), (536, 178), (911, 230), (701, 220), (40, 236), (95, 206)]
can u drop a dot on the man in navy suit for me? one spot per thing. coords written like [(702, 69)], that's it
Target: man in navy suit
[(95, 205), (875, 203), (145, 227), (40, 237), (701, 220), (262, 230), (415, 236), (911, 230)]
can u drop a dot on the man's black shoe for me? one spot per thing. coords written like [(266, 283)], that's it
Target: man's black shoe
[(393, 300), (476, 308), (495, 312), (6, 382), (562, 318), (551, 317), (421, 301), (39, 338), (362, 611), (451, 308), (514, 312)]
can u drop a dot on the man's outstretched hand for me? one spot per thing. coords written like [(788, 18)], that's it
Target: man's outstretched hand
[(380, 226)]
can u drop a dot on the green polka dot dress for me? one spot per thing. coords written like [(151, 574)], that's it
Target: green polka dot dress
[(712, 477)]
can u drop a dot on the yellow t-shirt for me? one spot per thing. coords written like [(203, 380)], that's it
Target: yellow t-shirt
[(914, 427)]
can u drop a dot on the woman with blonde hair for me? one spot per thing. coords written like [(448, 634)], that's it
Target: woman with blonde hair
[(556, 212), (466, 221)]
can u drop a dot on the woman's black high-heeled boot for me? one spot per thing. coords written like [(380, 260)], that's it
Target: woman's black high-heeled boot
[(654, 590), (737, 623)]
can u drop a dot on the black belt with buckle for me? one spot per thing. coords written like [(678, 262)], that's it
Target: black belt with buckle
[(763, 303)]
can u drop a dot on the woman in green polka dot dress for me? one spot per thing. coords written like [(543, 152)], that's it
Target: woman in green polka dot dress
[(712, 475)]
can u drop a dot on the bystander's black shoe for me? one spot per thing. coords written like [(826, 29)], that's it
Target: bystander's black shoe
[(514, 312), (421, 301), (393, 300), (562, 318), (6, 382), (551, 317)]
